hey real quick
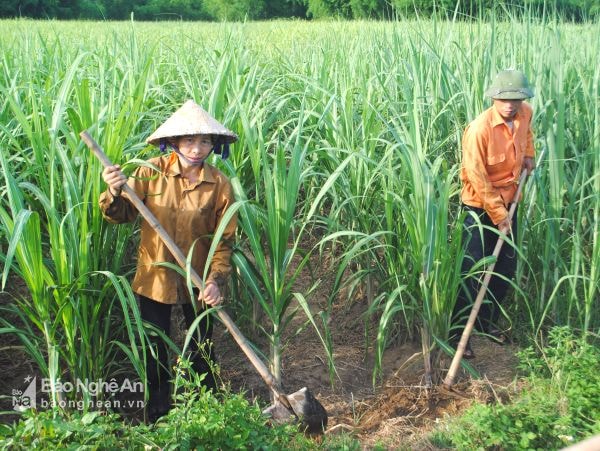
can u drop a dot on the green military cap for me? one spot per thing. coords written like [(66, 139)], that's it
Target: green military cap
[(510, 84)]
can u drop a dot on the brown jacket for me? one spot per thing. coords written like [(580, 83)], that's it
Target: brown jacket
[(493, 158), (188, 212)]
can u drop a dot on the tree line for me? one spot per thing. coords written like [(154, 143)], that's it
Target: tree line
[(211, 10)]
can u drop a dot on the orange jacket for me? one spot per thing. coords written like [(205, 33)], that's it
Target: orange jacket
[(493, 158), (187, 212)]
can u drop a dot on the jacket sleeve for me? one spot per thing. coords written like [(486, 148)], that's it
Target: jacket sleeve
[(220, 265), (475, 143)]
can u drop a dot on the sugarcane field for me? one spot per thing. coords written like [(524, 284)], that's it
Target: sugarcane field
[(306, 224)]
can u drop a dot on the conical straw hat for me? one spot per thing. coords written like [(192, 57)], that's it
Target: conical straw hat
[(191, 119)]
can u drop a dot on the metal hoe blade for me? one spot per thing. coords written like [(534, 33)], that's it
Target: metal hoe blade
[(304, 407)]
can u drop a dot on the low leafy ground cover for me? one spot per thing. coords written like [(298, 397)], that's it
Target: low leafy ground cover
[(558, 406), (200, 420)]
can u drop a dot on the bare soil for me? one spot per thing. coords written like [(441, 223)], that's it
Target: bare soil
[(397, 412)]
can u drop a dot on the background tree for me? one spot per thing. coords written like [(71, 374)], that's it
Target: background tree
[(117, 9), (235, 9), (14, 8), (575, 10), (370, 9), (319, 9), (171, 10), (285, 8)]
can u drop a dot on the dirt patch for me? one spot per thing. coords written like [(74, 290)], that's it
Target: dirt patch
[(398, 410)]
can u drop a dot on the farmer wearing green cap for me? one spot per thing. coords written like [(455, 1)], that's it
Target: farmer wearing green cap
[(496, 147), (189, 197)]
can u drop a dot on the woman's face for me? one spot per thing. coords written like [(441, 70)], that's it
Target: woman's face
[(194, 149)]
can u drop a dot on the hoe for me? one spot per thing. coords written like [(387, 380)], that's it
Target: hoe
[(451, 376)]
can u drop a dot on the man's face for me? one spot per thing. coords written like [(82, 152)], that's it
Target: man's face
[(507, 108)]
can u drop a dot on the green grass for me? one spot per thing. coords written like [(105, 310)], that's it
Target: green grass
[(557, 406)]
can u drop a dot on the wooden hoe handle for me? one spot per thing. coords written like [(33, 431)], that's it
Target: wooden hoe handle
[(196, 279), (462, 344)]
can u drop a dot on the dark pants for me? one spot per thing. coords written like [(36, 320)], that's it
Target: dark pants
[(480, 243), (157, 370)]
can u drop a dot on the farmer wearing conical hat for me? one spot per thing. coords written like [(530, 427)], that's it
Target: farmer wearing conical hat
[(188, 197), (496, 147)]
